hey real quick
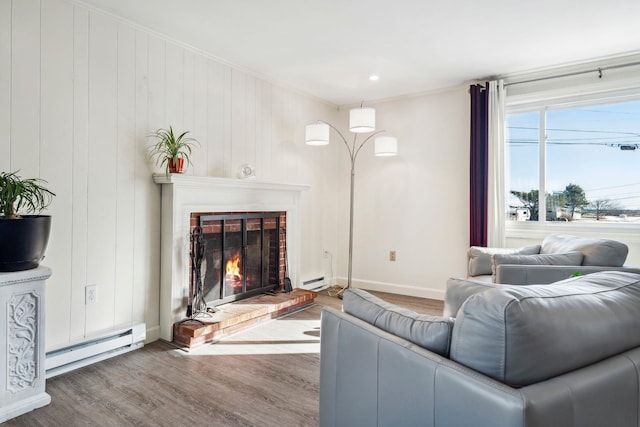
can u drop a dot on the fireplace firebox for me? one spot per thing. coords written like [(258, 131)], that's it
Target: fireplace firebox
[(243, 254)]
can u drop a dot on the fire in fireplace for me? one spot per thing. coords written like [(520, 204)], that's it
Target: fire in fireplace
[(243, 254), (233, 276)]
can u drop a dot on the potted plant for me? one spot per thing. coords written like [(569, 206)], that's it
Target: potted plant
[(171, 150), (24, 237)]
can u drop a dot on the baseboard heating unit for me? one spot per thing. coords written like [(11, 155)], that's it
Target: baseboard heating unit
[(94, 350), (316, 284)]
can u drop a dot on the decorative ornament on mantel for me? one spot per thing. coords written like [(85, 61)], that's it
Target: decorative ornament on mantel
[(246, 171), (172, 151), (361, 120)]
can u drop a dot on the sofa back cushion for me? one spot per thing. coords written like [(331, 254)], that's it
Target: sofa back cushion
[(526, 334), (598, 252), (430, 332), (569, 258), (479, 258)]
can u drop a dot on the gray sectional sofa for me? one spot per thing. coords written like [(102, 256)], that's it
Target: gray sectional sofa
[(565, 355), (557, 257)]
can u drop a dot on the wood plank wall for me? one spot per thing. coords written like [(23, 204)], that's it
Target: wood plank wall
[(79, 93)]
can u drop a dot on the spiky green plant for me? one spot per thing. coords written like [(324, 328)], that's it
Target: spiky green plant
[(18, 195), (170, 146)]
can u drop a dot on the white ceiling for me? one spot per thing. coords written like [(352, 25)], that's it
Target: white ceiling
[(328, 48)]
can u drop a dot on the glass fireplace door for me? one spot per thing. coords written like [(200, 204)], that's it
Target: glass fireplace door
[(242, 253)]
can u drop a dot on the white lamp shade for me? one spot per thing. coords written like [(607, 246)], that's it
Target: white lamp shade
[(362, 120), (317, 134), (386, 146)]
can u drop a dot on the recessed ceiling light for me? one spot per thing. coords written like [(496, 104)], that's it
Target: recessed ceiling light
[(374, 78)]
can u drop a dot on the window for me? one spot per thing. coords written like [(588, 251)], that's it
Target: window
[(584, 157)]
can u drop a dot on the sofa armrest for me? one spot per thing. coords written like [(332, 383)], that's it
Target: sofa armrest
[(369, 377), (603, 394), (514, 274)]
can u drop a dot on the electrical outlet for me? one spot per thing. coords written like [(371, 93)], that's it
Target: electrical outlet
[(90, 294), (392, 255)]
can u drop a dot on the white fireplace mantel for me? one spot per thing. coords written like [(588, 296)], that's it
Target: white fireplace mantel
[(184, 194)]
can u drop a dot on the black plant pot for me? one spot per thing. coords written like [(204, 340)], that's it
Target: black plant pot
[(23, 242)]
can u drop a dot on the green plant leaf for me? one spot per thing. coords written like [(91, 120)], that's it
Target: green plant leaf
[(18, 195)]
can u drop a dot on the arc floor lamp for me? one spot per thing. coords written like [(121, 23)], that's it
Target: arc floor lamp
[(361, 120)]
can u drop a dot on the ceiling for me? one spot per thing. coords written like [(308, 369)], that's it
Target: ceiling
[(329, 48)]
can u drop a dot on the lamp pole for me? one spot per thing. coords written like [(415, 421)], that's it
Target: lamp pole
[(353, 150)]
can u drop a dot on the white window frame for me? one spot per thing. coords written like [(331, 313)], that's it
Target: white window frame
[(539, 229)]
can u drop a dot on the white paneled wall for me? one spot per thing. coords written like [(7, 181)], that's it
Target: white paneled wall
[(79, 93), (54, 145), (5, 84), (81, 90)]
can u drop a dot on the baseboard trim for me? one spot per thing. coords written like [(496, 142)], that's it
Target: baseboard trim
[(393, 288), (153, 334)]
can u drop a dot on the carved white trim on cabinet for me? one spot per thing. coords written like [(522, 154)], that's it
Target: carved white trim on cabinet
[(22, 337), (22, 346)]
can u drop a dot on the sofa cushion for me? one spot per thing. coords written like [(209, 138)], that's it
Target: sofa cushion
[(526, 334), (430, 332), (569, 258), (479, 258), (598, 252)]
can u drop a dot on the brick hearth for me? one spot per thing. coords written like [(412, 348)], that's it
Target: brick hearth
[(238, 315)]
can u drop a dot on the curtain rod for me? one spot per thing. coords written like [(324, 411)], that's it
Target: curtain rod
[(598, 70)]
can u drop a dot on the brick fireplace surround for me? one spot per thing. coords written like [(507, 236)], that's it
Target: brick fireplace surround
[(235, 316), (184, 194)]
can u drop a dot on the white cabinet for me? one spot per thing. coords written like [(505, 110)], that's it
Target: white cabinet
[(22, 347)]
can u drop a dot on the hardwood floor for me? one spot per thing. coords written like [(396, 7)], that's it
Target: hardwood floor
[(265, 376)]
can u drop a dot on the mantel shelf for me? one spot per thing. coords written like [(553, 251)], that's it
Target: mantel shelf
[(211, 181)]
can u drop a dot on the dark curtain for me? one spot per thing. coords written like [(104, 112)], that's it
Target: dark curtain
[(479, 159)]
